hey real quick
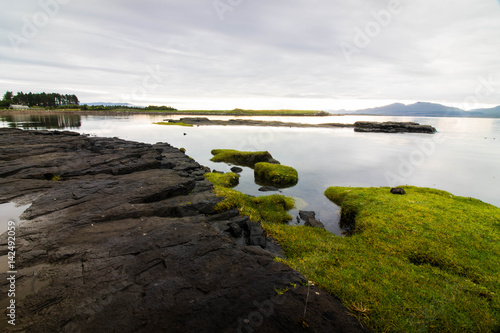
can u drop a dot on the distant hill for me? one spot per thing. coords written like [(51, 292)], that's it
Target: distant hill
[(423, 109)]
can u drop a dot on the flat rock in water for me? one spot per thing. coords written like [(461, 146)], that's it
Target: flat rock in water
[(121, 237)]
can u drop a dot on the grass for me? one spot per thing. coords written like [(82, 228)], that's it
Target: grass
[(276, 174), (426, 261), (242, 158), (242, 112), (173, 124), (271, 209)]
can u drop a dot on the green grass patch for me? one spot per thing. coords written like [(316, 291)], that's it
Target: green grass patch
[(172, 124), (271, 209), (275, 174), (242, 158), (426, 261)]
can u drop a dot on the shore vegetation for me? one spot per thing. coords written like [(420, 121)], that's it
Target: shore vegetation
[(426, 261), (270, 208)]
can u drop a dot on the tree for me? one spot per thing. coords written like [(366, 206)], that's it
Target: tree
[(8, 96)]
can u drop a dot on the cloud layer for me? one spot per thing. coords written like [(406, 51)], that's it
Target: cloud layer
[(313, 54)]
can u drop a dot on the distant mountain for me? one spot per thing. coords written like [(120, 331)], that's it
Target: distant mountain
[(423, 109), (489, 113), (108, 104)]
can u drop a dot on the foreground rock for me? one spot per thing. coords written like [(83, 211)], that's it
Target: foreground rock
[(128, 241), (359, 126)]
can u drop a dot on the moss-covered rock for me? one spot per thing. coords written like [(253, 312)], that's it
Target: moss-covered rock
[(227, 180), (273, 208), (275, 174), (243, 158)]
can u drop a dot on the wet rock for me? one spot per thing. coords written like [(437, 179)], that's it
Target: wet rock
[(129, 242), (305, 215), (314, 223), (236, 169), (269, 189), (398, 190), (309, 218)]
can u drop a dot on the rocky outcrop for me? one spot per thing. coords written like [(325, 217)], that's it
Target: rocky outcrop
[(123, 236), (393, 127), (359, 126)]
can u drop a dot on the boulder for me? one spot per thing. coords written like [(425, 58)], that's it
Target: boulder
[(314, 223), (236, 169), (398, 190)]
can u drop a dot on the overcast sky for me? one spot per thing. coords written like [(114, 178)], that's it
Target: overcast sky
[(211, 54)]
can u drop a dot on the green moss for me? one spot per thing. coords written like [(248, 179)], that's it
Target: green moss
[(228, 180), (275, 174), (173, 124), (272, 208), (426, 261), (242, 158)]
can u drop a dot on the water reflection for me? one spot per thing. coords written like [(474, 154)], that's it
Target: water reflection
[(46, 121), (463, 158)]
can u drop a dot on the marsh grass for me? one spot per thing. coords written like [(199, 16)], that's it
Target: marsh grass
[(271, 208), (165, 123), (426, 261)]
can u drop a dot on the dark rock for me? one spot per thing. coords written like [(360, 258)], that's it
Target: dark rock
[(309, 218), (305, 215), (398, 190), (393, 127), (269, 189), (236, 169), (257, 235), (314, 223), (216, 171), (236, 229), (125, 244)]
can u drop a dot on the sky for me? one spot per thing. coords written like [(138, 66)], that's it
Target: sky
[(254, 54)]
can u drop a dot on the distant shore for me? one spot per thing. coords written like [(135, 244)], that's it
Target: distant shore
[(235, 112)]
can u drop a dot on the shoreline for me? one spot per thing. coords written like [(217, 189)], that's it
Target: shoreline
[(173, 113)]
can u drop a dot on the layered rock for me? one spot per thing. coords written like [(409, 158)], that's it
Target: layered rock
[(123, 236), (393, 127)]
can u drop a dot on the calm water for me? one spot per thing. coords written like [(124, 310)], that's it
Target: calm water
[(463, 158)]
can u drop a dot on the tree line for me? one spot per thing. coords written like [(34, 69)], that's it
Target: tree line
[(52, 100)]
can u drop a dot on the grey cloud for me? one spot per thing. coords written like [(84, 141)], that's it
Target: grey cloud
[(428, 51)]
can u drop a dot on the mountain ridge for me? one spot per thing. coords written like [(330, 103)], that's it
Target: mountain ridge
[(426, 109)]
